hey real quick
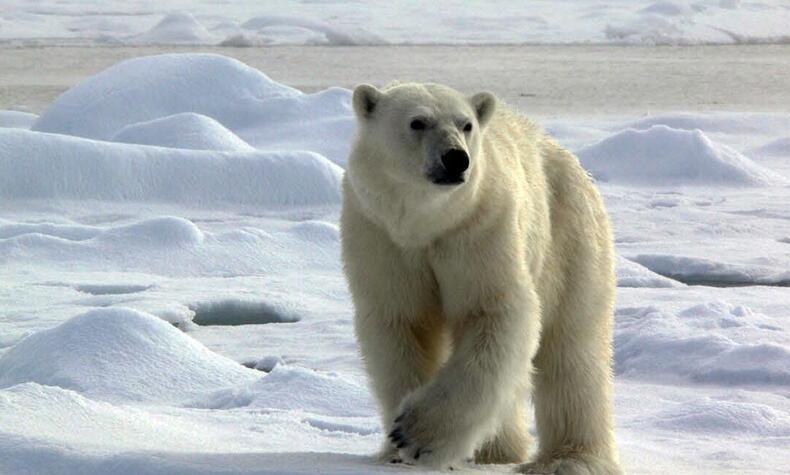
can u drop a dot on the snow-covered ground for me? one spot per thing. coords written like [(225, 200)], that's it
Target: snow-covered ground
[(351, 22), (171, 297)]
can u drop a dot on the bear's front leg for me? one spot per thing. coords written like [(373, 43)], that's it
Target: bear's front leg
[(399, 356), (443, 422)]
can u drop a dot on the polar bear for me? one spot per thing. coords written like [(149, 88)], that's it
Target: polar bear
[(479, 258)]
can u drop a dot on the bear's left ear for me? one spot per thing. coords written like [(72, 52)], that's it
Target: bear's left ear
[(484, 104), (364, 100)]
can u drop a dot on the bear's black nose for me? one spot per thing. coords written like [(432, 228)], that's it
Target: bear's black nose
[(455, 161)]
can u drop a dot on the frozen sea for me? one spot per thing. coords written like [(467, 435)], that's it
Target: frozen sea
[(171, 297)]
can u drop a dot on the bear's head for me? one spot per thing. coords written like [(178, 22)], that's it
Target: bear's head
[(422, 133)]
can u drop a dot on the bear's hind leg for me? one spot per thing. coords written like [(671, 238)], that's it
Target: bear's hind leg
[(511, 443), (572, 395)]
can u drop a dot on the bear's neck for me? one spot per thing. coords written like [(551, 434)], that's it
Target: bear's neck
[(413, 216)]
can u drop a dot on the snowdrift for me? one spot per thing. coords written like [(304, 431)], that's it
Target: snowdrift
[(704, 271), (775, 148), (175, 28), (119, 354), (185, 130), (703, 343), (48, 166), (347, 22), (739, 419), (717, 122), (264, 113), (294, 388), (17, 119), (632, 274), (662, 155), (273, 29)]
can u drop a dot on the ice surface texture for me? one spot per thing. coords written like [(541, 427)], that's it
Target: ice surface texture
[(345, 22)]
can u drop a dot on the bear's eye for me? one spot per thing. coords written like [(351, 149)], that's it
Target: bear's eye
[(468, 127), (417, 124)]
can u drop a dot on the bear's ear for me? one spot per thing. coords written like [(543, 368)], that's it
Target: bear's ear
[(484, 104), (364, 100)]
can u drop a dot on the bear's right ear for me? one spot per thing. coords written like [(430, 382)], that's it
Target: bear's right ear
[(484, 104), (364, 100)]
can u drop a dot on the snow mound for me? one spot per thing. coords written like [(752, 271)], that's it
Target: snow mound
[(701, 271), (631, 274), (648, 28), (175, 28), (264, 113), (717, 122), (151, 87), (162, 234), (663, 155), (315, 231), (275, 29), (71, 232), (17, 119), (293, 388), (775, 148), (47, 166), (185, 130), (118, 354), (167, 231), (709, 415), (665, 8), (703, 344)]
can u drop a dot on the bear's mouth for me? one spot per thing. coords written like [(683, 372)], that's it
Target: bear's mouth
[(443, 178), (448, 181)]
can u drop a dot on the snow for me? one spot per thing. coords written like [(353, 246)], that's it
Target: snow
[(185, 130), (778, 148), (346, 22), (172, 299), (670, 156), (632, 274), (299, 389), (118, 354), (713, 272), (273, 29), (707, 415), (17, 119), (264, 113), (713, 338), (90, 169), (175, 28)]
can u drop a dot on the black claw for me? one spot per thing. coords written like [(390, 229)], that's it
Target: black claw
[(396, 434), (396, 460), (420, 452), (399, 418), (401, 445)]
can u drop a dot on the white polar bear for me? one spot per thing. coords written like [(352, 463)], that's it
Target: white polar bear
[(479, 258)]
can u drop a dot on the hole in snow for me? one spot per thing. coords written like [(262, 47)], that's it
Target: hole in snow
[(705, 272), (265, 364), (239, 312), (110, 289), (722, 280)]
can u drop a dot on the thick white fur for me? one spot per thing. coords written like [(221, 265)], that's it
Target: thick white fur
[(470, 296)]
